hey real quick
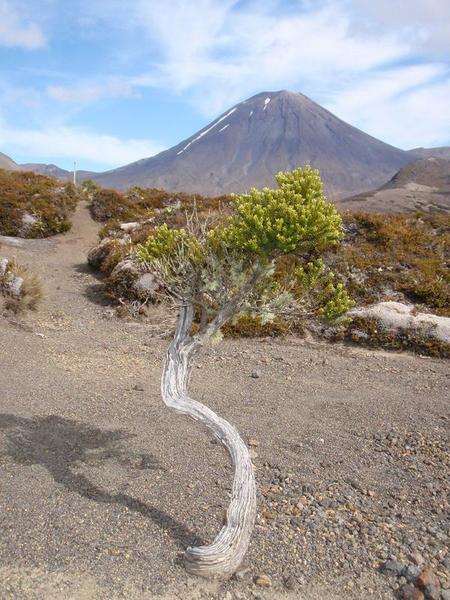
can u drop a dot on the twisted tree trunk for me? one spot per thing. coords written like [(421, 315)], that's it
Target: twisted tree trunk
[(225, 554)]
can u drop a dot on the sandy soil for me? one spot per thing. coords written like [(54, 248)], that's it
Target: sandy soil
[(102, 487)]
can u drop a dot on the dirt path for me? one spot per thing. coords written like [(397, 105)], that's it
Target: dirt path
[(100, 489)]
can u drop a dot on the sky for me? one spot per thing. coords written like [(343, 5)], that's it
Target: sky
[(107, 82)]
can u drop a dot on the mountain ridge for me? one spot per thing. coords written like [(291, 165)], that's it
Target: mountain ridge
[(253, 140)]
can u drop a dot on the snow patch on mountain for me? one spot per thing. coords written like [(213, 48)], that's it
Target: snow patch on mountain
[(207, 130)]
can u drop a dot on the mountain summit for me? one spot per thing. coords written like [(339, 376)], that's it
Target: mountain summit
[(249, 143)]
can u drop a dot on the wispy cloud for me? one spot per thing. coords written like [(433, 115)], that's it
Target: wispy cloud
[(87, 93), (229, 53), (17, 32), (106, 151), (407, 106)]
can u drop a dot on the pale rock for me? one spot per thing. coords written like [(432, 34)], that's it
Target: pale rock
[(394, 316)]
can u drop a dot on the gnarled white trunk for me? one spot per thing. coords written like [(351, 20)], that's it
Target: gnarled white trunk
[(225, 554)]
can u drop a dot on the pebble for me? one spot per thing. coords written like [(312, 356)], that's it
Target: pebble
[(263, 580), (411, 572), (290, 583), (392, 567), (256, 374), (409, 592)]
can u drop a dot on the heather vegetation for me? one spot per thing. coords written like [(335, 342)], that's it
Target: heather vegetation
[(402, 257), (34, 206), (158, 206), (399, 257)]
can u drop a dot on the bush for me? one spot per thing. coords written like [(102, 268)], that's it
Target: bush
[(389, 257), (33, 205), (138, 204)]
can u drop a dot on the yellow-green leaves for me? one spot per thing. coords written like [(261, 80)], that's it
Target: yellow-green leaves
[(165, 242), (293, 218), (212, 267)]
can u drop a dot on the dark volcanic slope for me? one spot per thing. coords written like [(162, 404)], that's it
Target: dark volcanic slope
[(7, 163), (422, 185), (255, 139)]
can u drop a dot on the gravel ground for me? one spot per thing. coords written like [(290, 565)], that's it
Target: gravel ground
[(102, 487)]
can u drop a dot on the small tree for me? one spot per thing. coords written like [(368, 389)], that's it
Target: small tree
[(216, 273)]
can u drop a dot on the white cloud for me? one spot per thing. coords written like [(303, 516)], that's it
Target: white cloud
[(406, 106), (227, 53), (14, 32), (106, 151), (426, 22), (89, 93)]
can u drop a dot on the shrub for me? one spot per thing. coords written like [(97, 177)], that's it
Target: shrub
[(33, 205)]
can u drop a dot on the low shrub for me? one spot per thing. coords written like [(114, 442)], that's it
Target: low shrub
[(137, 204), (34, 206), (383, 257)]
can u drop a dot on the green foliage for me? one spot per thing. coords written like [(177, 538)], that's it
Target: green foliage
[(293, 218), (236, 260), (165, 242)]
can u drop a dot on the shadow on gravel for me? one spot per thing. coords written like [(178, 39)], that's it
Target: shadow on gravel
[(94, 292), (63, 445)]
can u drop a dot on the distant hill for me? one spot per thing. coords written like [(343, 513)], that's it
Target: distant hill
[(423, 185), (253, 140), (49, 170), (442, 152), (7, 163), (56, 172)]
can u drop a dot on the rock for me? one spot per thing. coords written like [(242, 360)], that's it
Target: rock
[(416, 557), (124, 265), (290, 583), (4, 262), (432, 592), (429, 583), (97, 255), (411, 572), (409, 592), (263, 580), (128, 227), (253, 442), (256, 374), (392, 568), (28, 221), (241, 573), (14, 285), (395, 316), (445, 594), (146, 286)]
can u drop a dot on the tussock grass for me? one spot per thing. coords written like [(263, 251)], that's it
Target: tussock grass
[(31, 291)]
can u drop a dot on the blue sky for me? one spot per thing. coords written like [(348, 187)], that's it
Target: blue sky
[(106, 82)]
